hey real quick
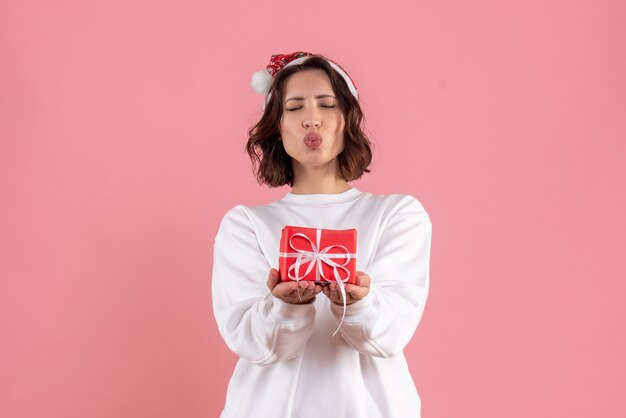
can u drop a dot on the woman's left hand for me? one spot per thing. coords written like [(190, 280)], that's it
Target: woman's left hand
[(354, 292)]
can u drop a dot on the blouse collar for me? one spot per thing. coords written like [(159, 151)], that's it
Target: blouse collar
[(322, 198)]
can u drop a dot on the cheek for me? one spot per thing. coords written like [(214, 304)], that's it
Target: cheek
[(286, 124), (340, 120)]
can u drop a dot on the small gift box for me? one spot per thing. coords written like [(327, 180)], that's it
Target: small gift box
[(320, 255)]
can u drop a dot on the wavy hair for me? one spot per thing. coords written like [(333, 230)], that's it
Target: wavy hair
[(271, 163)]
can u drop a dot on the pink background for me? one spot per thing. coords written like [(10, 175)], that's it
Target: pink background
[(122, 126)]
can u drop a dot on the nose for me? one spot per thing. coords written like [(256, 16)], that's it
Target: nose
[(312, 122), (312, 119)]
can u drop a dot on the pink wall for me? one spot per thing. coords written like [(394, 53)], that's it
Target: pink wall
[(121, 146)]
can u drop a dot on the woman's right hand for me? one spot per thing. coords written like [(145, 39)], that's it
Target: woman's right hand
[(288, 291)]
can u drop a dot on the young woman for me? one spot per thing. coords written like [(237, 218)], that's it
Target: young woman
[(291, 365)]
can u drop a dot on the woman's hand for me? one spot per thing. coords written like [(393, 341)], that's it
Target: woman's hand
[(288, 291), (354, 292)]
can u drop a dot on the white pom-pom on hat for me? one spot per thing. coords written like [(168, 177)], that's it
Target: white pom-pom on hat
[(261, 81)]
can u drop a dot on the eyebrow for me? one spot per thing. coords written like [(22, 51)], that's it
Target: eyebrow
[(317, 97)]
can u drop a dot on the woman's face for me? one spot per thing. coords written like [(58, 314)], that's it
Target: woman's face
[(310, 106)]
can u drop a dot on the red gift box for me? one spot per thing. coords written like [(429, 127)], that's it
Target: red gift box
[(320, 255)]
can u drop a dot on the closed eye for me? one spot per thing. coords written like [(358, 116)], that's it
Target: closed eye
[(297, 108)]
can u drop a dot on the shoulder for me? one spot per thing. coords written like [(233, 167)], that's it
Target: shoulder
[(234, 213), (252, 212), (236, 218), (398, 203), (399, 210), (403, 215), (247, 216)]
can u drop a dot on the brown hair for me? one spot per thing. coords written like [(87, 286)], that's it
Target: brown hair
[(264, 148)]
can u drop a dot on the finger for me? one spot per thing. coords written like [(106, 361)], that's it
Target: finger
[(305, 284), (278, 291), (365, 280), (333, 292), (304, 289), (311, 289), (358, 293), (305, 292), (287, 288), (351, 288), (338, 299), (301, 294), (272, 279)]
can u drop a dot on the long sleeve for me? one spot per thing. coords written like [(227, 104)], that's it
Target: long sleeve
[(254, 324), (382, 323)]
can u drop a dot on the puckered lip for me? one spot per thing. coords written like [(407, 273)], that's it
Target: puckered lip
[(312, 136)]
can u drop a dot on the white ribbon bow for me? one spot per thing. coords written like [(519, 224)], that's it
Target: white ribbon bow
[(315, 258)]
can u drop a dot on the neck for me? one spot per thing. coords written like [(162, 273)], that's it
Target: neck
[(322, 179)]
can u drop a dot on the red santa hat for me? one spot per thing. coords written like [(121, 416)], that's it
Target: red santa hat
[(261, 81)]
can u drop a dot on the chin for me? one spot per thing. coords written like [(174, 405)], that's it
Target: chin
[(313, 160)]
